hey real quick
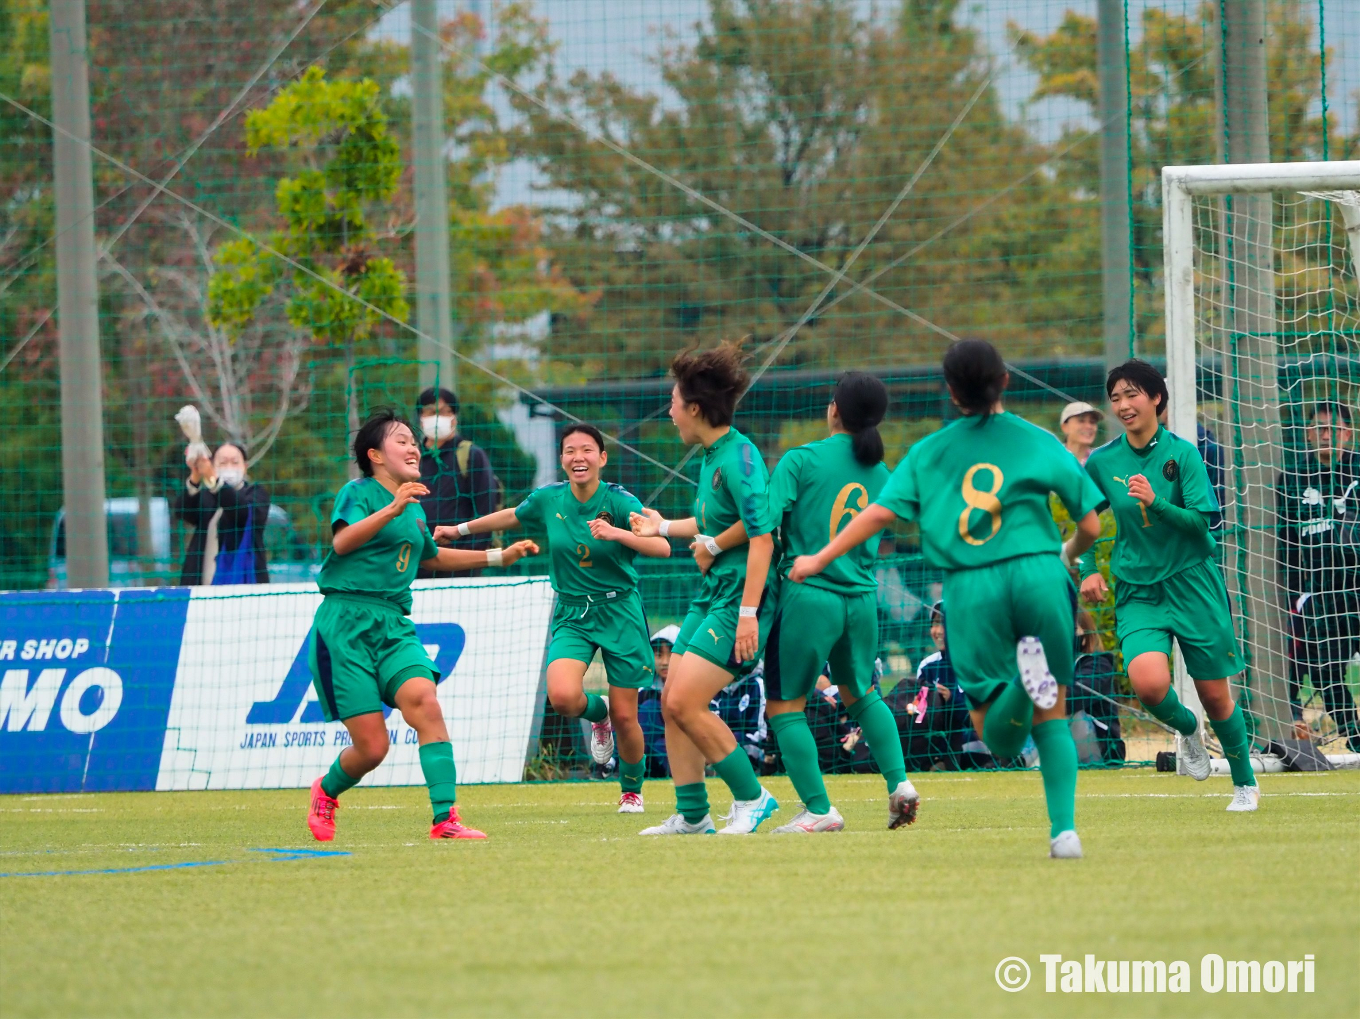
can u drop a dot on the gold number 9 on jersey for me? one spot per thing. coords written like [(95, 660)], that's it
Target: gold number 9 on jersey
[(843, 507), (404, 557), (987, 502)]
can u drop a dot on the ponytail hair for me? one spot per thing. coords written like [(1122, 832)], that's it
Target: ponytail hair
[(861, 401), (976, 375)]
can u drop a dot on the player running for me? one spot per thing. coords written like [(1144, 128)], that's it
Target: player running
[(722, 634), (1169, 585), (979, 488), (364, 652), (590, 562), (815, 489)]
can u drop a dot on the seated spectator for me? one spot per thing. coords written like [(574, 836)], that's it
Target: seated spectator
[(741, 705), (1091, 705), (840, 747), (649, 703), (228, 513), (932, 713)]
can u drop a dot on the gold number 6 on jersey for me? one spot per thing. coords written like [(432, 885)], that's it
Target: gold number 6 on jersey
[(843, 509), (987, 502)]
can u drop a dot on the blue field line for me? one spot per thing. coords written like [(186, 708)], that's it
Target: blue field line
[(279, 856)]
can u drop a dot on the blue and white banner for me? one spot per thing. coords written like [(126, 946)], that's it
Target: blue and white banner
[(208, 688)]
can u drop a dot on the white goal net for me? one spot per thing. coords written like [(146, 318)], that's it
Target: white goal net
[(1263, 355)]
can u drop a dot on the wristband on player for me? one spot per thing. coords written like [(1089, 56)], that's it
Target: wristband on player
[(464, 529), (748, 611), (714, 549), (1065, 554), (494, 556), (664, 528)]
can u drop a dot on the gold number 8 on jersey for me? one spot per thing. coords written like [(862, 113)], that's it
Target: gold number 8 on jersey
[(842, 508), (987, 502)]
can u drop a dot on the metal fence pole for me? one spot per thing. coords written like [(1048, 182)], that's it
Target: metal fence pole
[(1114, 191)]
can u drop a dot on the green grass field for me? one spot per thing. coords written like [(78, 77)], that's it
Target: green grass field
[(565, 911)]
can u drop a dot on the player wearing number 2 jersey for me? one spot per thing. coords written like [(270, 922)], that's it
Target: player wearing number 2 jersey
[(815, 490), (979, 489), (1168, 586), (590, 561)]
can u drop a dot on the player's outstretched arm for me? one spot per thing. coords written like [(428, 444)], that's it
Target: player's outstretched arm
[(856, 533), (649, 524), (348, 537), (501, 520), (656, 548), (468, 559)]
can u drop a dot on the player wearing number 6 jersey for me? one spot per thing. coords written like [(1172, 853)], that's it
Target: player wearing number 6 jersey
[(364, 652), (815, 491), (979, 489), (590, 561), (1169, 586)]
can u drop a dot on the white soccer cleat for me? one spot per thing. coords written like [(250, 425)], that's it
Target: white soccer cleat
[(902, 805), (1034, 674), (1190, 750), (602, 741), (808, 823), (746, 815), (677, 825), (1065, 846), (630, 803), (1245, 798)]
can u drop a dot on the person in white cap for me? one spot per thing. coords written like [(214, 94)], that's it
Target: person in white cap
[(1079, 423)]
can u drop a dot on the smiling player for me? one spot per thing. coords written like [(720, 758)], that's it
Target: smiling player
[(364, 652), (1169, 586), (590, 561)]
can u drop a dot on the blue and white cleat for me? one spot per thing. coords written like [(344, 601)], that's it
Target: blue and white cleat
[(1246, 798), (746, 815), (1037, 680)]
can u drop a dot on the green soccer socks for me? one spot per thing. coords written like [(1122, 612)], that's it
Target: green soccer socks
[(631, 775), (1058, 766), (735, 769), (1173, 713), (691, 802), (441, 777), (799, 751), (1008, 721), (875, 720), (597, 708), (1232, 737), (337, 780)]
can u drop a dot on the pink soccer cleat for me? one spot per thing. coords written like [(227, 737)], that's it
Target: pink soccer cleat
[(321, 817), (453, 828), (630, 803)]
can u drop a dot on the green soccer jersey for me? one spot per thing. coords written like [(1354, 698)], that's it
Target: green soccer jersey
[(815, 491), (1147, 550), (979, 488), (385, 565), (582, 566), (733, 485)]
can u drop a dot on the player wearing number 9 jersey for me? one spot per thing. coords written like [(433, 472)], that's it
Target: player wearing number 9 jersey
[(979, 489), (590, 562), (814, 492)]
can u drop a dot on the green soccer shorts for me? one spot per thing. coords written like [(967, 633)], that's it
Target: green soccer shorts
[(362, 650), (617, 627), (813, 626), (709, 629), (1192, 607), (988, 609)]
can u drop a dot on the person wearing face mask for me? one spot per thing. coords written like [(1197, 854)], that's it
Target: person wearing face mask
[(228, 513), (462, 486)]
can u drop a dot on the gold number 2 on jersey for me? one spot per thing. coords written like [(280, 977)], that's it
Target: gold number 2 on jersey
[(583, 550), (852, 498), (404, 557), (987, 502)]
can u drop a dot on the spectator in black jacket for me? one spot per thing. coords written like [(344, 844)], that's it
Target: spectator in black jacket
[(932, 713), (1318, 507), (225, 508), (1093, 695), (456, 471)]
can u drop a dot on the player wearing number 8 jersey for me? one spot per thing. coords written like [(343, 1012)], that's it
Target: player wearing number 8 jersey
[(814, 492), (590, 561), (1168, 586), (979, 489)]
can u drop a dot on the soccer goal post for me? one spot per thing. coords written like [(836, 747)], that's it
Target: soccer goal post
[(1263, 326)]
